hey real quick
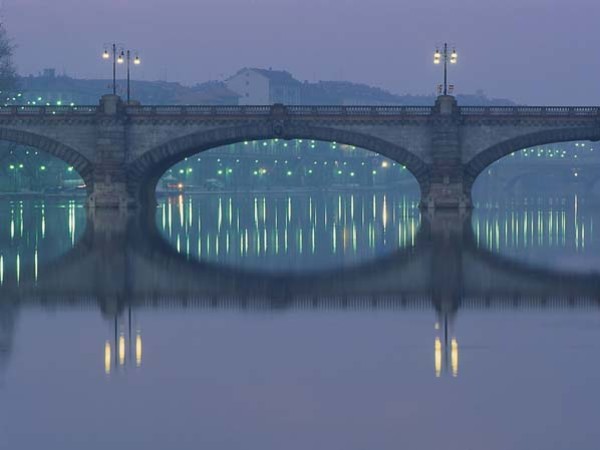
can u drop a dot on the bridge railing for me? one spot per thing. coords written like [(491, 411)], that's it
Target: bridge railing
[(198, 110), (29, 110), (359, 110), (265, 110), (302, 110), (529, 110)]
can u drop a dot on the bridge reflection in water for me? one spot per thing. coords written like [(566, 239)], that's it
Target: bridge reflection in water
[(445, 262)]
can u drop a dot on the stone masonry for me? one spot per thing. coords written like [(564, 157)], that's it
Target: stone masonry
[(122, 150)]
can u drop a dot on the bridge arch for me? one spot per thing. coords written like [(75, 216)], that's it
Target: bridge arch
[(488, 156), (80, 163), (145, 171)]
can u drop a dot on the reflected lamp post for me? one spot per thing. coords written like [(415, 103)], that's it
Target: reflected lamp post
[(116, 354), (444, 56)]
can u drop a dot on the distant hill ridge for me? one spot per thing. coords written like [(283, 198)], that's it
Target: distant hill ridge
[(52, 88)]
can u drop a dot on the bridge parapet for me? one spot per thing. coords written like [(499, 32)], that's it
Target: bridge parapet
[(34, 110), (528, 111), (269, 110), (299, 110)]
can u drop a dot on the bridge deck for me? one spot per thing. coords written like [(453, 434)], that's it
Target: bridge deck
[(301, 110)]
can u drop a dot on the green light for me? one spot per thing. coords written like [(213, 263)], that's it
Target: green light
[(374, 172), (181, 171), (20, 166), (69, 169), (219, 172), (11, 167), (339, 172), (310, 171), (229, 170), (58, 103), (42, 168), (289, 173), (190, 170), (352, 174)]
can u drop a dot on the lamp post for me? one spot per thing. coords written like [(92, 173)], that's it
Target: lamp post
[(446, 56), (106, 55), (121, 57), (136, 61)]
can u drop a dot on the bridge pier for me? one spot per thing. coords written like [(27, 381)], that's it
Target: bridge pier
[(446, 188), (110, 186), (446, 195)]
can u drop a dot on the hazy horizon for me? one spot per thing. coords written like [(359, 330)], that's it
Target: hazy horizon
[(532, 51)]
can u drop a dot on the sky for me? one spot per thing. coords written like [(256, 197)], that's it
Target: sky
[(543, 52)]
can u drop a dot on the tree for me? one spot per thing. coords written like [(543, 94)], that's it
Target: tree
[(8, 73)]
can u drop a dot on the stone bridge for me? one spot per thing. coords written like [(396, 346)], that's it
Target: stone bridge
[(121, 150)]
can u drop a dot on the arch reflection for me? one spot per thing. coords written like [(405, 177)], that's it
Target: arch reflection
[(122, 265), (290, 232)]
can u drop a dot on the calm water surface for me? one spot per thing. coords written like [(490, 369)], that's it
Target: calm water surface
[(327, 321)]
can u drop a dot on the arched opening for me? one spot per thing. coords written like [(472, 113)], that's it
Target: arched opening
[(288, 205), (276, 164), (145, 171), (538, 174), (28, 171), (35, 159), (536, 205)]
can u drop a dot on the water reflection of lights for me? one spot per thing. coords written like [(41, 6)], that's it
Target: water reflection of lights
[(562, 224), (445, 353), (266, 231), (118, 353)]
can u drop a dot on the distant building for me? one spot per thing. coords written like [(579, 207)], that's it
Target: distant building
[(265, 87)]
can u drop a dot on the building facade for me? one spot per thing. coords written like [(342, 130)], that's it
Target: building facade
[(265, 87)]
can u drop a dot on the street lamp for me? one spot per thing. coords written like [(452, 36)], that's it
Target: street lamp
[(136, 61), (121, 57), (106, 55), (445, 55)]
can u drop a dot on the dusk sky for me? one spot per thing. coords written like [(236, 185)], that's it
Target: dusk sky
[(531, 51)]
